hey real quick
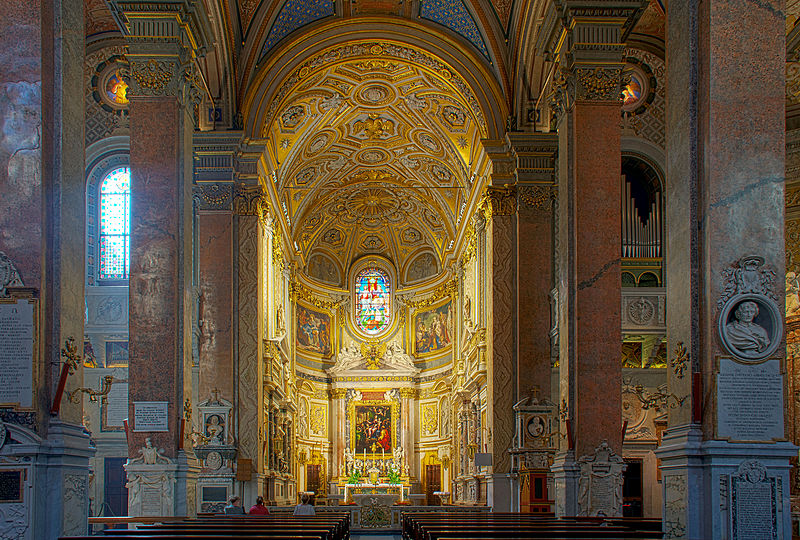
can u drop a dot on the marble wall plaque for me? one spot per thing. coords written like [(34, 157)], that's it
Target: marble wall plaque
[(115, 410), (150, 416), (151, 500), (749, 400), (11, 486), (754, 512), (16, 354)]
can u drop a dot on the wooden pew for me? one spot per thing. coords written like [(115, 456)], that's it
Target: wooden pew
[(445, 526)]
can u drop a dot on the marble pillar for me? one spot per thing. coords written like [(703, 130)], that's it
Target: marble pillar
[(587, 104), (725, 218), (162, 94), (42, 250), (249, 207), (215, 293), (536, 194)]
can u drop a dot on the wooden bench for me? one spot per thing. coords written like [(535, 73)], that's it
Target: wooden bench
[(446, 526)]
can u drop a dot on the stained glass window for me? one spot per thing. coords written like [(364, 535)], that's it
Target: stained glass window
[(373, 300), (117, 89), (115, 219)]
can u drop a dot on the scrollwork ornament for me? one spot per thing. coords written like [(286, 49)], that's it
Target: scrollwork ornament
[(248, 200)]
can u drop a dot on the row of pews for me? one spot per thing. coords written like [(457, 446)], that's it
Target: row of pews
[(501, 525), (326, 526)]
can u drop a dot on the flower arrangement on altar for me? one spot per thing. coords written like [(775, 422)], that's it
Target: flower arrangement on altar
[(355, 476)]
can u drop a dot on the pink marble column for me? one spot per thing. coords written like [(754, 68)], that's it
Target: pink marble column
[(726, 65), (536, 195), (160, 303), (215, 258), (587, 101)]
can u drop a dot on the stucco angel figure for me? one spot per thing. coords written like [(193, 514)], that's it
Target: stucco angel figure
[(150, 454), (397, 358)]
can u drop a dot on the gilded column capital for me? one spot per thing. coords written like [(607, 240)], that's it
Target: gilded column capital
[(409, 393), (164, 40), (503, 200), (338, 393), (249, 200)]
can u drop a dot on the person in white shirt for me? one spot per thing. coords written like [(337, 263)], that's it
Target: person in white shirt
[(305, 508)]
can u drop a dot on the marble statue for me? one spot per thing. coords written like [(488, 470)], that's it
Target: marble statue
[(150, 454), (744, 334), (349, 357), (396, 357)]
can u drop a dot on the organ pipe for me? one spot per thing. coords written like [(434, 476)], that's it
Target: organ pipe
[(640, 239)]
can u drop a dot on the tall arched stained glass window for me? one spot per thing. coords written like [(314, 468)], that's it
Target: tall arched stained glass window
[(115, 219), (373, 309)]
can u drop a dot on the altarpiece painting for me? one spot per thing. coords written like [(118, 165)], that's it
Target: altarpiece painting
[(373, 427)]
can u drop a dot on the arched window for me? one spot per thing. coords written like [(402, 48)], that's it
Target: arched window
[(373, 297), (114, 229)]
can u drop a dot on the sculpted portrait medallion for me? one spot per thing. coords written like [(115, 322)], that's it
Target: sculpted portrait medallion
[(750, 326)]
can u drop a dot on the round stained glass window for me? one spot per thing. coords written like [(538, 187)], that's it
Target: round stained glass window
[(373, 301), (636, 93)]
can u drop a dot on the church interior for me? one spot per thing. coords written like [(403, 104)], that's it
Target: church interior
[(522, 256)]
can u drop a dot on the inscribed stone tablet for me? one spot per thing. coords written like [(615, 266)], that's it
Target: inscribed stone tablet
[(150, 416), (754, 508), (16, 354), (151, 500), (750, 400), (115, 411)]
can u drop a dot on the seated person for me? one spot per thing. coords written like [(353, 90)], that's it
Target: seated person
[(305, 508), (234, 507), (259, 509)]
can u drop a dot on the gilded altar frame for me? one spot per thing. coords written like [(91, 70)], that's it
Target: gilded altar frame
[(394, 408)]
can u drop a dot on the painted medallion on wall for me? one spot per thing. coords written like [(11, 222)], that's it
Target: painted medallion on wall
[(313, 331), (373, 429), (373, 312), (433, 329)]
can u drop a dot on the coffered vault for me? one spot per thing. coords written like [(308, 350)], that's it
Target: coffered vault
[(374, 154)]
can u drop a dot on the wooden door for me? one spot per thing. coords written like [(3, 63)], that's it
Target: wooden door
[(312, 478), (534, 493), (433, 482)]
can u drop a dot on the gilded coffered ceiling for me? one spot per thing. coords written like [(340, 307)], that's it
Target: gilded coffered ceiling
[(374, 156)]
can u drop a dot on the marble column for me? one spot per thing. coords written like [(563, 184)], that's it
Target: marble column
[(587, 104), (536, 193), (163, 43), (408, 425), (338, 431), (214, 223), (725, 218), (42, 254)]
